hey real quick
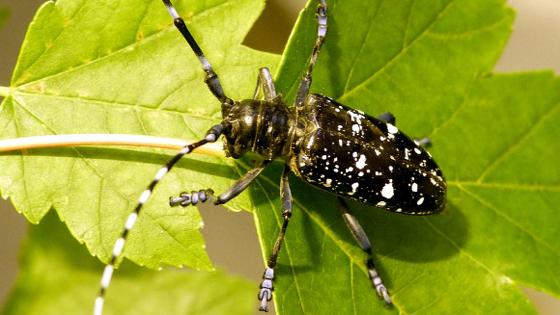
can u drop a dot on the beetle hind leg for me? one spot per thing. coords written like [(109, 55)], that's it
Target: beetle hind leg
[(387, 118), (364, 243), (423, 142)]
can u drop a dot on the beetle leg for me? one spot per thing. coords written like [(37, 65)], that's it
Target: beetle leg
[(364, 243), (266, 83), (187, 199), (423, 142), (305, 83), (266, 286), (192, 198), (388, 118)]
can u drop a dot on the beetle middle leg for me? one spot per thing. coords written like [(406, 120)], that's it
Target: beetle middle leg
[(388, 118), (266, 286), (364, 243)]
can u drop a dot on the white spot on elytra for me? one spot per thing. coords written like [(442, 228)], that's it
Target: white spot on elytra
[(414, 187), (355, 116), (377, 152), (355, 187), (361, 163), (324, 157), (328, 182), (417, 151), (420, 201), (392, 129), (381, 204), (388, 191), (356, 128)]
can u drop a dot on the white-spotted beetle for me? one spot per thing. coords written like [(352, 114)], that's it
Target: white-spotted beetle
[(327, 144)]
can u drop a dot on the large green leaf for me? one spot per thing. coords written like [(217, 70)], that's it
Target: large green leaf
[(122, 67), (494, 137), (57, 276), (428, 62)]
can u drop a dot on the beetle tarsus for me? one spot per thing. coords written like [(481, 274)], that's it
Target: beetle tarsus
[(266, 287), (186, 199), (384, 294)]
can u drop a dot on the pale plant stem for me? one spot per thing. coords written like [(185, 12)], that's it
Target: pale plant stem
[(5, 91), (75, 140)]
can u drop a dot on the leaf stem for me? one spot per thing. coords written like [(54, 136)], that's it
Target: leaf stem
[(5, 91), (72, 140)]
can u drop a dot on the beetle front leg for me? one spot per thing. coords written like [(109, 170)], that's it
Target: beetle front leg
[(186, 199), (265, 83)]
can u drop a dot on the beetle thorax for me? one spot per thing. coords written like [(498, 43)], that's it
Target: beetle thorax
[(262, 127)]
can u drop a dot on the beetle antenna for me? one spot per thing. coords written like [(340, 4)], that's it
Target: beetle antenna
[(211, 136), (211, 79)]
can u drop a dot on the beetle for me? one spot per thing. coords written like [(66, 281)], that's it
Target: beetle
[(325, 143)]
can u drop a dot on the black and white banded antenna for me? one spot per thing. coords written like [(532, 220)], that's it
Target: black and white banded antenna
[(211, 136)]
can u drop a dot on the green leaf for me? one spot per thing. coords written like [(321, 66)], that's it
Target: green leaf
[(58, 276), (122, 67), (494, 137), (428, 62)]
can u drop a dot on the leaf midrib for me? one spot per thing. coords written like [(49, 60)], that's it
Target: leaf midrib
[(124, 49), (111, 103), (398, 55)]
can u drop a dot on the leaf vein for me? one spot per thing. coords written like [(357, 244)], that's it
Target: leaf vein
[(362, 44), (508, 219), (168, 29), (121, 104), (514, 146), (398, 55)]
